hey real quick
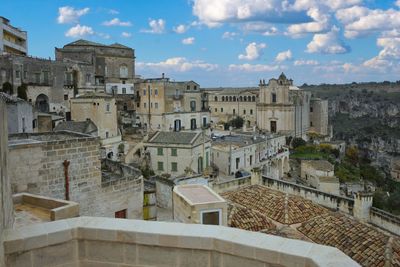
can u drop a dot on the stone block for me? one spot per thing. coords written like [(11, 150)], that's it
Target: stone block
[(194, 258), (111, 252), (55, 255), (130, 253), (157, 256), (19, 259), (234, 261)]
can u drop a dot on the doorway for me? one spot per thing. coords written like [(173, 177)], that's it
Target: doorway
[(273, 126)]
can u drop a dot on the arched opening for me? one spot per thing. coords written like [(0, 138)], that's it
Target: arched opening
[(230, 98), (216, 98), (223, 98), (42, 103), (200, 165), (254, 98), (177, 125), (193, 125), (192, 106)]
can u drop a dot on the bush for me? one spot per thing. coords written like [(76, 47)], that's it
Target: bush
[(235, 123), (298, 142), (21, 91), (8, 88)]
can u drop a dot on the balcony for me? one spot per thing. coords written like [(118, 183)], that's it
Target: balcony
[(90, 241)]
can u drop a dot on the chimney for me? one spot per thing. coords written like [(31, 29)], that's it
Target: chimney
[(163, 75)]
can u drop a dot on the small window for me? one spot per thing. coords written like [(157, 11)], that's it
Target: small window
[(251, 112), (121, 214), (244, 112), (174, 166), (155, 92), (273, 96), (144, 91), (211, 217), (108, 107), (311, 124), (254, 99), (37, 77), (144, 105), (160, 166), (174, 152), (25, 74), (222, 109), (160, 151), (195, 87), (65, 97), (234, 111), (188, 87), (17, 74), (88, 78), (124, 90), (107, 134), (216, 110), (216, 98), (311, 109), (156, 105)]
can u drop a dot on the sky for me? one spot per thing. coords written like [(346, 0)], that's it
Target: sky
[(220, 43)]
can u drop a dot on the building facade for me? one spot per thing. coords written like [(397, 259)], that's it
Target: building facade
[(179, 153), (12, 40), (171, 106), (20, 115)]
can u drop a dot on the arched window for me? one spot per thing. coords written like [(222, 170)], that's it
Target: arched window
[(234, 98), (273, 97), (192, 105), (216, 98), (223, 98), (254, 98), (230, 98), (123, 71), (244, 98), (240, 98)]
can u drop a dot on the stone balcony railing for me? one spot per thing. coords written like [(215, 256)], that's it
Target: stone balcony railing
[(89, 241)]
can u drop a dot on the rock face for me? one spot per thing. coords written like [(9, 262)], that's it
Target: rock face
[(366, 115)]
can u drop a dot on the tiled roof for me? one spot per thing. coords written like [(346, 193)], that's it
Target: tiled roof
[(283, 208), (9, 98), (86, 127), (362, 242), (322, 165), (182, 138), (247, 219), (396, 252)]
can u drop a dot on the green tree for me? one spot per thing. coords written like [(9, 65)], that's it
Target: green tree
[(298, 142), (21, 91), (8, 88)]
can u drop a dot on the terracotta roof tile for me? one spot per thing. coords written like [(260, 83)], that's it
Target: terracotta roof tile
[(396, 252), (247, 219)]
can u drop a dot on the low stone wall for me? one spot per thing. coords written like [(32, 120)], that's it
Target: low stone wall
[(385, 220), (334, 202), (231, 184), (59, 209), (89, 241)]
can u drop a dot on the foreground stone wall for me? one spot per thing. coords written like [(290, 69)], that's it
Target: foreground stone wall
[(38, 168), (87, 241), (6, 205)]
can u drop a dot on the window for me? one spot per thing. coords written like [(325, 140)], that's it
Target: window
[(174, 166), (237, 163), (121, 214), (65, 97), (311, 109), (156, 105), (144, 91), (124, 90), (212, 217), (223, 98), (46, 77), (174, 152), (88, 78), (160, 165), (230, 98), (108, 107), (160, 151), (207, 159), (192, 106), (17, 74), (234, 98), (273, 97), (25, 74), (216, 98), (254, 99), (311, 124), (37, 77), (187, 87), (155, 92), (144, 105), (244, 112), (251, 112), (216, 110), (107, 134), (195, 87), (234, 111), (251, 159), (222, 109), (123, 71)]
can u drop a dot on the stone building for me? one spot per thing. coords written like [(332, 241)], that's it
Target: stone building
[(319, 116), (67, 165), (12, 40), (100, 66), (227, 103), (320, 174), (199, 204), (101, 109), (234, 153), (20, 116), (177, 153), (168, 105), (283, 108)]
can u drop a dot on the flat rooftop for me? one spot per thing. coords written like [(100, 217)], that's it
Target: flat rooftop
[(197, 194), (37, 138)]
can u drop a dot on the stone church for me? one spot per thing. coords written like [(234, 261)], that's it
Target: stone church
[(287, 109)]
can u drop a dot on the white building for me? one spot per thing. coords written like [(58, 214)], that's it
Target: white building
[(120, 88), (233, 153), (12, 39), (178, 153), (320, 174)]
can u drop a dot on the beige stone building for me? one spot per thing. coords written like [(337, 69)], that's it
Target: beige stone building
[(179, 153), (320, 174), (227, 103), (168, 105), (12, 40), (199, 204), (101, 109), (319, 116)]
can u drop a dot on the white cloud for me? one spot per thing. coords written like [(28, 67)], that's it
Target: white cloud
[(104, 35), (361, 21), (283, 56), (180, 28), (79, 31), (397, 3), (253, 67), (302, 62), (157, 26), (331, 4), (178, 64), (320, 23), (188, 41), (126, 34), (216, 12), (229, 35), (113, 12), (67, 14), (117, 22), (327, 43), (253, 51)]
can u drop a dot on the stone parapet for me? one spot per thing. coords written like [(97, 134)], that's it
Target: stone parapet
[(91, 241)]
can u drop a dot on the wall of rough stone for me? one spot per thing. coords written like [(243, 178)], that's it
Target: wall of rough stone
[(38, 169), (164, 189), (6, 205)]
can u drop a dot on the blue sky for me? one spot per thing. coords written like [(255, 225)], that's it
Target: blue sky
[(228, 42)]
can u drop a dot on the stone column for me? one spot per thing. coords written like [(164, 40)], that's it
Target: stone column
[(362, 206), (256, 176)]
